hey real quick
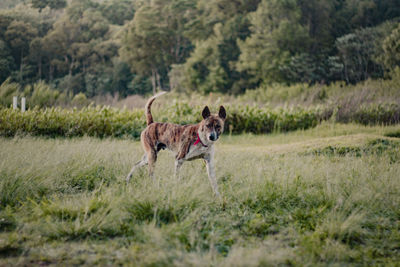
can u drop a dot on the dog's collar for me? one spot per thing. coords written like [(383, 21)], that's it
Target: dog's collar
[(199, 141)]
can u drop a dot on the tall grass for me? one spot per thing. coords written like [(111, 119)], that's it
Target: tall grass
[(65, 202)]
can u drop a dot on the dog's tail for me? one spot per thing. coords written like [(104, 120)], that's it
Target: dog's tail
[(149, 117)]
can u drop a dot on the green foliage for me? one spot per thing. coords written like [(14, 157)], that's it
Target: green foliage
[(346, 97), (19, 34), (10, 3), (359, 52), (8, 90), (270, 40), (7, 220), (53, 122), (117, 11), (210, 67), (391, 48), (6, 61), (375, 114), (256, 120), (54, 4), (110, 122), (69, 203), (373, 147), (123, 47), (154, 39), (44, 96), (38, 95), (79, 100), (395, 134)]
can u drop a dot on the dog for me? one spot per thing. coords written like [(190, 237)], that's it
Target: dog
[(187, 142)]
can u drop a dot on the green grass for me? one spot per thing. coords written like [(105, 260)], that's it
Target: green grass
[(325, 196)]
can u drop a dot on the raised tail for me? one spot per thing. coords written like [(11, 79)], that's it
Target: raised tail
[(149, 117)]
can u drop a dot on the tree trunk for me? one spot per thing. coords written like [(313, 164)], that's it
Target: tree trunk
[(177, 50), (71, 66), (69, 80), (40, 67), (21, 66), (51, 70), (153, 81), (158, 80)]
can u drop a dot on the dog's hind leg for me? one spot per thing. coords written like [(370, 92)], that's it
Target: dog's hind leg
[(151, 160), (138, 164)]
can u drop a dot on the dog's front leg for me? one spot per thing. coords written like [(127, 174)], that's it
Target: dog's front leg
[(209, 158), (178, 164)]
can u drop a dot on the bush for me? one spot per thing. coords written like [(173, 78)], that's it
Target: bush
[(371, 114), (54, 122), (8, 89), (43, 95), (39, 94), (80, 100), (112, 122), (264, 120)]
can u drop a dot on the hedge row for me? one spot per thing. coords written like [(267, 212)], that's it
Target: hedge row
[(54, 122), (111, 122)]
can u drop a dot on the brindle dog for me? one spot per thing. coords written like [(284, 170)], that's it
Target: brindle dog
[(187, 142)]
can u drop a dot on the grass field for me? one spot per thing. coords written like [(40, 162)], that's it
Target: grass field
[(324, 196)]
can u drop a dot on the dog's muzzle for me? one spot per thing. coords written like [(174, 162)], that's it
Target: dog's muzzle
[(213, 136)]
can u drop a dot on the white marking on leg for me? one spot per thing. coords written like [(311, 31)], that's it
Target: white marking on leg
[(211, 172), (137, 165), (178, 164)]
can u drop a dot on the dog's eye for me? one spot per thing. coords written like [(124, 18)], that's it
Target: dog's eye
[(209, 125)]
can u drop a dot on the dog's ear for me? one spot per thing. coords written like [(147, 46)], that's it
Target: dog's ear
[(222, 112), (206, 112)]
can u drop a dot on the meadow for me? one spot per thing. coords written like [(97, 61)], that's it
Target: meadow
[(329, 195)]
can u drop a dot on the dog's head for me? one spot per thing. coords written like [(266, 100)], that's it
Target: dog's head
[(212, 125)]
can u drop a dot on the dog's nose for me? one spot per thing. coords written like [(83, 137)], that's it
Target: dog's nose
[(213, 137)]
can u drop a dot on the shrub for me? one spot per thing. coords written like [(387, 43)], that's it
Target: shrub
[(112, 122), (44, 96), (8, 89), (53, 122), (370, 114), (80, 100)]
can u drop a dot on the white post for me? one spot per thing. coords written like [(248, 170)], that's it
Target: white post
[(23, 103), (15, 102)]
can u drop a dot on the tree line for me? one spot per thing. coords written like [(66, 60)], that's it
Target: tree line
[(136, 46)]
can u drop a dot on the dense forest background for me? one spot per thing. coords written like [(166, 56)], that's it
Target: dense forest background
[(124, 47)]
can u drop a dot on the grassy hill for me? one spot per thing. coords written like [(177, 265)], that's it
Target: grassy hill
[(327, 195)]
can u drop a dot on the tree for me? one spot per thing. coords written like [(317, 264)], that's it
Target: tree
[(215, 29), (6, 61), (9, 3), (154, 39), (18, 35), (316, 17), (203, 71), (53, 4), (62, 46), (36, 54), (76, 43), (360, 52), (391, 50), (117, 11), (276, 35)]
